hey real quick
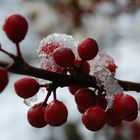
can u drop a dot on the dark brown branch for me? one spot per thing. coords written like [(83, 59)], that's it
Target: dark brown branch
[(130, 86), (59, 79), (63, 80)]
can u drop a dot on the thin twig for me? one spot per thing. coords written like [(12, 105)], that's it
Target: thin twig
[(8, 54), (47, 97)]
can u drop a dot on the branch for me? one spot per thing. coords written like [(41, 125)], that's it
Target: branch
[(130, 86), (59, 79), (63, 80)]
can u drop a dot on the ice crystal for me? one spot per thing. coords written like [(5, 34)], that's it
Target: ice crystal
[(49, 44), (30, 101), (104, 77)]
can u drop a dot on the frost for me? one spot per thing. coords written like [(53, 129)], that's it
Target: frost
[(30, 101), (101, 75), (50, 65), (110, 101), (43, 82), (99, 69), (101, 61), (57, 40), (111, 85), (105, 77), (49, 44)]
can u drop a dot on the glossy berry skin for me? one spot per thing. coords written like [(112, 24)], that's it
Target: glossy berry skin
[(35, 116), (85, 97), (15, 27), (64, 57), (87, 49), (26, 87), (3, 79), (94, 118), (112, 119), (125, 106), (56, 113)]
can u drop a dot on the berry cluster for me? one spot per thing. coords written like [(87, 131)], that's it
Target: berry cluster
[(93, 103), (55, 113), (95, 112)]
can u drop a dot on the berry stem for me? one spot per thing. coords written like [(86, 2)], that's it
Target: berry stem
[(47, 97), (44, 85), (18, 50), (7, 53), (54, 94)]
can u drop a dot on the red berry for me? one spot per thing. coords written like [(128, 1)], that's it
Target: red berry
[(125, 106), (87, 49), (3, 79), (74, 89), (111, 67), (85, 97), (26, 87), (111, 118), (64, 57), (35, 116), (56, 113), (84, 69), (94, 118), (81, 109), (15, 27)]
